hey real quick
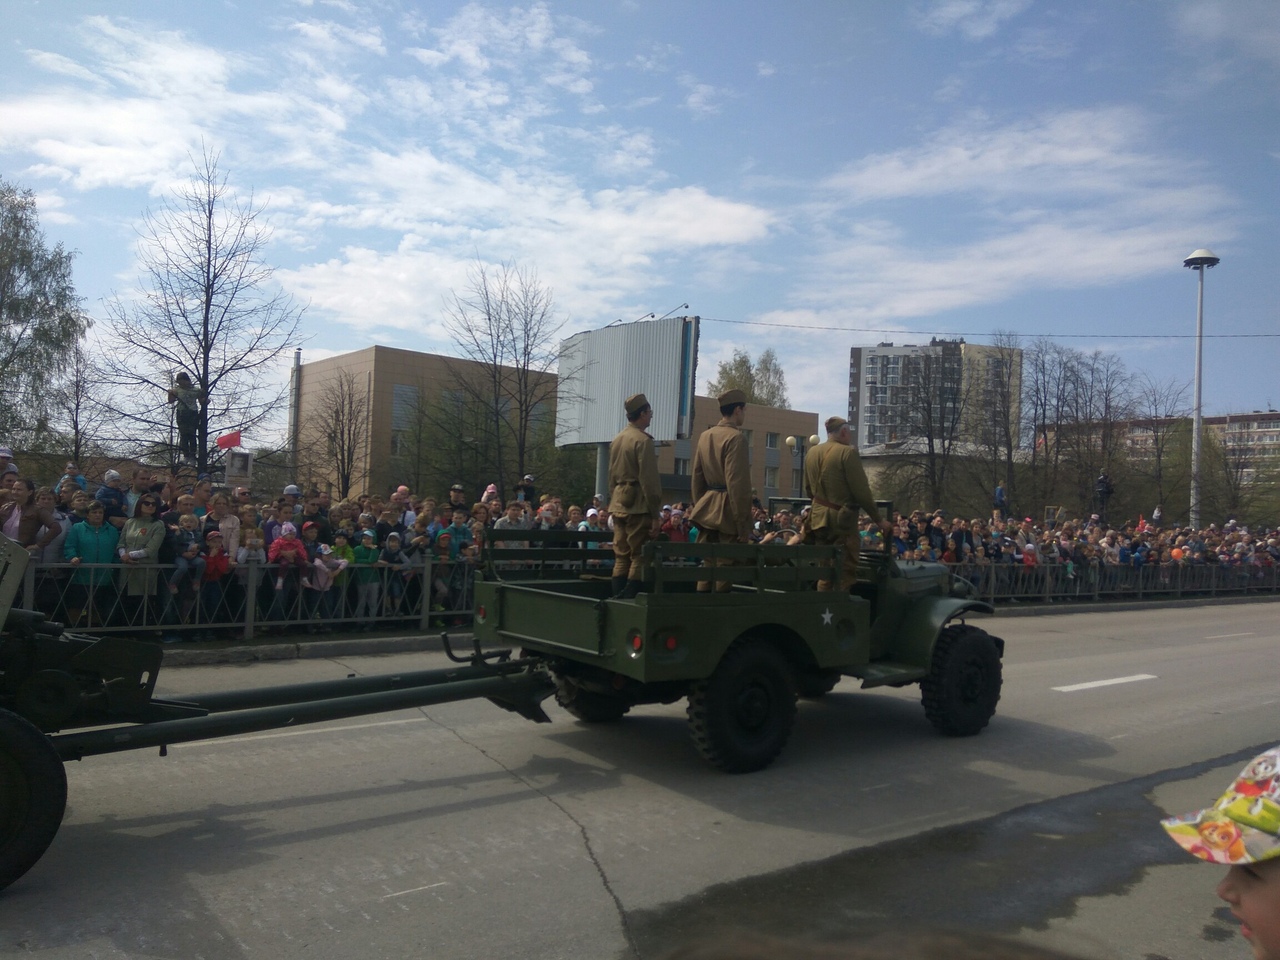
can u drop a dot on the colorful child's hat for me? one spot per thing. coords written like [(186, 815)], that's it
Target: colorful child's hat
[(371, 534), (1243, 826)]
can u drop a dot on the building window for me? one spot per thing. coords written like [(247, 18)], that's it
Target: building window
[(681, 467), (771, 441), (771, 478), (797, 482)]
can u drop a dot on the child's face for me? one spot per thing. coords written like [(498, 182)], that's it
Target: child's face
[(339, 540), (188, 521), (1253, 892)]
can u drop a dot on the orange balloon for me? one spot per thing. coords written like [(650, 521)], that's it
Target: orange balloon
[(1176, 553)]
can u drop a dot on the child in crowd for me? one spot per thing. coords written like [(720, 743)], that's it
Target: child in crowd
[(368, 587), (342, 551), (400, 569), (1242, 830), (188, 563), (287, 551), (216, 566)]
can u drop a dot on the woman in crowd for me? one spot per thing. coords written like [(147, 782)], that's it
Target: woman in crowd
[(92, 588), (139, 551), (22, 519)]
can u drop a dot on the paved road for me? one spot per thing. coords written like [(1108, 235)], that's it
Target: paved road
[(464, 831)]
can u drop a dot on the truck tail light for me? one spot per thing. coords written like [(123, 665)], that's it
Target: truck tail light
[(637, 642), (670, 641)]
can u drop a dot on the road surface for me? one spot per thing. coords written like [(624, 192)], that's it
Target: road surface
[(465, 831)]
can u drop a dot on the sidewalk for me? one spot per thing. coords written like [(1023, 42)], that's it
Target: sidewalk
[(358, 645)]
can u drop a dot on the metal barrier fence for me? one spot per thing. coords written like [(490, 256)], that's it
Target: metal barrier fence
[(1050, 582), (252, 599), (261, 598)]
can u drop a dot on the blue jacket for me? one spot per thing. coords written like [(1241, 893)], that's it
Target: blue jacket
[(92, 545)]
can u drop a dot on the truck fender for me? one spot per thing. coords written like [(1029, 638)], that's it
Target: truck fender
[(925, 620)]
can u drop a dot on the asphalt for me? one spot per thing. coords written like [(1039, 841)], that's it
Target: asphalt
[(364, 644)]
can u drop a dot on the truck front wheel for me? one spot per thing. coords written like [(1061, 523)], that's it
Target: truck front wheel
[(33, 796), (963, 686), (742, 715)]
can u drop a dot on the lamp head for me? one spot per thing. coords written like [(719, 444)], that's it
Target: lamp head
[(1201, 258)]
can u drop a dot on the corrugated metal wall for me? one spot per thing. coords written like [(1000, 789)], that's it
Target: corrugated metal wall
[(599, 369)]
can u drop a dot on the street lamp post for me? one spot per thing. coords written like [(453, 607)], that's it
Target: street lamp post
[(1198, 261), (797, 446)]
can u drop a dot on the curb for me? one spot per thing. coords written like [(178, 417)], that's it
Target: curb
[(1038, 608)]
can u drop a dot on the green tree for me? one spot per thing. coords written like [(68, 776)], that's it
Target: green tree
[(208, 307), (763, 381), (40, 316)]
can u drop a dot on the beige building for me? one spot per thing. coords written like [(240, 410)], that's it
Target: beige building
[(385, 412), (390, 416), (775, 470)]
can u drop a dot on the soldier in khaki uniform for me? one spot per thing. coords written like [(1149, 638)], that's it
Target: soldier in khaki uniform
[(721, 483), (635, 498), (837, 484)]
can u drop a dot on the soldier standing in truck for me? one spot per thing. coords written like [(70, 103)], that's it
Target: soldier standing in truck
[(838, 486), (721, 483), (636, 497)]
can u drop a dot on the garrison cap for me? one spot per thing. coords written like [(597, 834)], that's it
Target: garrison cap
[(636, 403), (730, 397), (834, 424)]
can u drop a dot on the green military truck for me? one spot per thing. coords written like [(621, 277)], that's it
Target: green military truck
[(742, 656)]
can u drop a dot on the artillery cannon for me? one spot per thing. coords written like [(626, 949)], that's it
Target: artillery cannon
[(741, 657)]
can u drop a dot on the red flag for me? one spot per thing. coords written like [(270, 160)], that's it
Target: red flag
[(228, 440)]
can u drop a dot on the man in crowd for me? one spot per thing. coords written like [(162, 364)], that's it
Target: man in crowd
[(721, 484), (636, 503), (292, 496), (311, 514), (140, 484), (458, 499), (837, 484)]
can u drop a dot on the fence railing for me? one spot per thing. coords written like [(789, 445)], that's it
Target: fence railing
[(257, 599), (1048, 582), (251, 600)]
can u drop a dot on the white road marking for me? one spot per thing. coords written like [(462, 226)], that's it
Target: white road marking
[(1105, 683), (296, 733), (1224, 636), (430, 886)]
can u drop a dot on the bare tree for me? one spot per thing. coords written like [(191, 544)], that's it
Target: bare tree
[(79, 417), (335, 440), (207, 306), (1160, 411), (935, 411), (504, 323)]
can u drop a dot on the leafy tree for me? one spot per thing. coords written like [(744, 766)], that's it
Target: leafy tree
[(207, 307), (40, 316), (763, 381)]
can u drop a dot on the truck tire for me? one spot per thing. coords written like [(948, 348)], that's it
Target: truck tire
[(587, 705), (33, 796), (742, 715), (963, 686)]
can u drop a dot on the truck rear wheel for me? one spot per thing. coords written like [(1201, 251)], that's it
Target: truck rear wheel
[(742, 715), (963, 686), (588, 705), (33, 796)]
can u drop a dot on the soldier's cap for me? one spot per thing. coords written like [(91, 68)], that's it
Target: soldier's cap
[(458, 488), (833, 424), (731, 397), (1243, 825), (636, 403)]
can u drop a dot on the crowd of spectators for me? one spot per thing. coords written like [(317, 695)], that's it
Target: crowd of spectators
[(144, 550)]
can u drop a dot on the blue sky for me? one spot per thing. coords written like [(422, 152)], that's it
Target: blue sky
[(887, 169)]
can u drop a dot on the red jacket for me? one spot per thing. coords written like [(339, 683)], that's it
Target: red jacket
[(216, 566)]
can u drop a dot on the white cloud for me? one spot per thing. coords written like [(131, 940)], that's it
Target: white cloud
[(701, 99), (334, 39), (1251, 27), (972, 19), (765, 69)]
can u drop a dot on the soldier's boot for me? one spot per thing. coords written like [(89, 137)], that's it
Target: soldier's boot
[(631, 589), (619, 587)]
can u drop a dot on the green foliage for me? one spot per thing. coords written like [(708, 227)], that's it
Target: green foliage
[(763, 381), (40, 317)]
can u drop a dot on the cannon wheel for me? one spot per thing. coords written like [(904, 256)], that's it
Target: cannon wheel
[(963, 686), (33, 796), (742, 715)]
